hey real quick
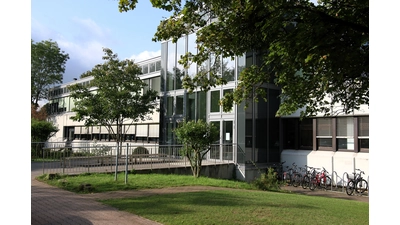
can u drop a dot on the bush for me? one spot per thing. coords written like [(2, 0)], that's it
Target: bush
[(268, 181), (140, 150)]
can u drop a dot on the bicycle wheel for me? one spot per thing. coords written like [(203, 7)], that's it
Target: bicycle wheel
[(361, 186), (327, 183), (306, 182), (296, 180), (313, 183), (350, 187)]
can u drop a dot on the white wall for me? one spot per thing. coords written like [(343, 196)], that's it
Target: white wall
[(339, 162)]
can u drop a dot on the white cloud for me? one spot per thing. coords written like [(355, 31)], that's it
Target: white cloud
[(145, 55)]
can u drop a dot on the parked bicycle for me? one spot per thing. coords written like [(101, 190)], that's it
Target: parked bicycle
[(306, 179), (320, 179), (356, 182), (292, 175)]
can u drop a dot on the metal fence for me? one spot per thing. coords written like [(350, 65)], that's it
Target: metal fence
[(76, 158)]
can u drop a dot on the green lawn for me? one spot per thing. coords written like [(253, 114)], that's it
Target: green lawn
[(243, 204)]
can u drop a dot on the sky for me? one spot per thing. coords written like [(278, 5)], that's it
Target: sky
[(83, 28)]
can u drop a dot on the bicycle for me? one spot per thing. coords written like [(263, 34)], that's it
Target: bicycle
[(357, 183), (294, 176), (306, 179), (320, 179)]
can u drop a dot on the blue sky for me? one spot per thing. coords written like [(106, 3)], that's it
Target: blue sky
[(83, 28)]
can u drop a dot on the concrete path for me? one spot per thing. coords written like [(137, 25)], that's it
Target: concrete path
[(50, 205)]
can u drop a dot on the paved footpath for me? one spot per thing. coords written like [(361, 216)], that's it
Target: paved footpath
[(50, 205)]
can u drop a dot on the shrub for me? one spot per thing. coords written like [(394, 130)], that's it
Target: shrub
[(268, 181), (140, 150)]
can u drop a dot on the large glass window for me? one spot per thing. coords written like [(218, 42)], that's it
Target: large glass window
[(171, 65), (306, 134), (228, 69), (179, 105), (201, 106), (180, 71), (152, 67), (227, 91), (156, 83), (363, 133), (215, 101), (192, 48), (190, 106), (345, 133), (145, 69), (170, 105), (158, 65), (324, 133)]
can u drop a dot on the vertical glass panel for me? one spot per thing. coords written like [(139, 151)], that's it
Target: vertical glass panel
[(191, 106), (201, 106), (152, 67), (345, 126), (164, 62), (179, 105), (216, 65), (306, 134), (169, 136), (171, 66), (179, 71), (156, 83), (227, 91), (363, 126), (145, 69), (324, 142), (192, 48), (324, 127), (170, 105), (158, 65), (228, 69), (147, 87), (215, 150), (215, 101), (241, 64), (228, 132), (249, 59)]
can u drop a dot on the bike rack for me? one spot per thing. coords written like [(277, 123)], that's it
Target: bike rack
[(334, 180)]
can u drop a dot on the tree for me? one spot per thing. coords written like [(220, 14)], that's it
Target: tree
[(39, 114), (196, 138), (318, 54), (42, 130), (47, 68), (118, 98)]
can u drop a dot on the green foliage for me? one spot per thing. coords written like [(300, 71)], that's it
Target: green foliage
[(101, 150), (118, 98), (140, 150), (196, 137), (42, 130), (267, 181), (318, 54), (47, 68)]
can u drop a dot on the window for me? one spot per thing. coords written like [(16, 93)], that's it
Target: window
[(170, 105), (179, 105), (158, 65), (227, 91), (215, 101), (152, 67), (306, 134), (324, 134), (363, 133), (345, 133), (145, 69)]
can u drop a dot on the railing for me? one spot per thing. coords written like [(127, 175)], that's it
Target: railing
[(75, 158)]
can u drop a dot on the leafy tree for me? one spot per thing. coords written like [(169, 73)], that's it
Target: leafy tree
[(47, 68), (42, 130), (318, 54), (39, 114), (117, 99), (196, 138)]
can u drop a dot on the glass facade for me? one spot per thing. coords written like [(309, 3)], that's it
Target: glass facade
[(255, 130)]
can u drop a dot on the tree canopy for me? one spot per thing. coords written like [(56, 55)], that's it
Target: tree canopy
[(196, 137), (47, 68), (318, 54), (117, 98)]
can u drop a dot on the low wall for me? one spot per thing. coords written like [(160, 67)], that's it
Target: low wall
[(221, 171)]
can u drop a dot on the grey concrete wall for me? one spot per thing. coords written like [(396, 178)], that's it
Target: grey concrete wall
[(223, 171)]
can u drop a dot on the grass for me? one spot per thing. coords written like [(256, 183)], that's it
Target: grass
[(102, 182), (244, 207), (241, 205)]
